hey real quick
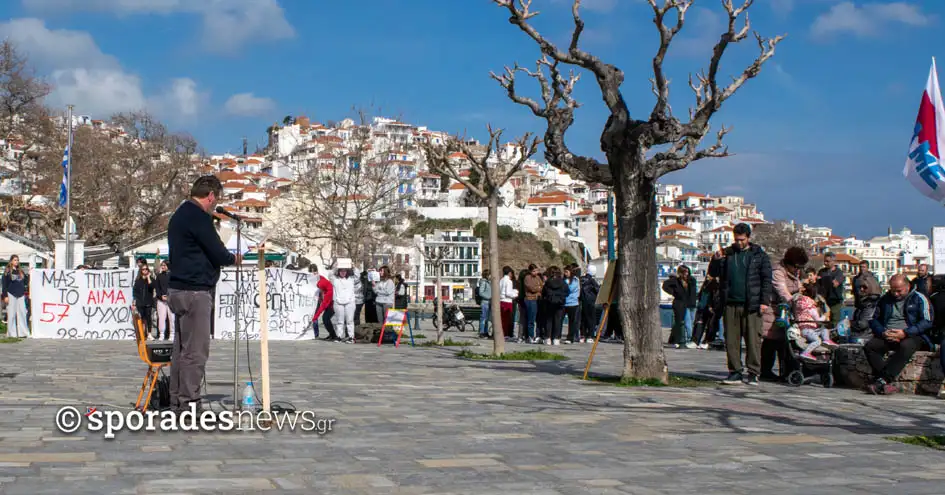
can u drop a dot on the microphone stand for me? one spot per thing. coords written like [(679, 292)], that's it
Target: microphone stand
[(236, 327)]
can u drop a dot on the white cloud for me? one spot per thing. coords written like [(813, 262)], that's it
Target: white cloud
[(249, 105), (867, 20), (93, 81), (227, 24)]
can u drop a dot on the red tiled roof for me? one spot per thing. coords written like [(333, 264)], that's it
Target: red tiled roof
[(676, 227)]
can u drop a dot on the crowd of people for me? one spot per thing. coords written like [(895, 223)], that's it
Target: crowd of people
[(344, 298), (541, 302), (744, 292)]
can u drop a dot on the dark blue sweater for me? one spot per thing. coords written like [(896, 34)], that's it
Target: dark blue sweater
[(14, 284), (196, 252)]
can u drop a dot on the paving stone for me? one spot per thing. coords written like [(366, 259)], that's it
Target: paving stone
[(419, 421)]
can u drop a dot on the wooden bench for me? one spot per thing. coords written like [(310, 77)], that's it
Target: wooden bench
[(471, 313), (922, 375)]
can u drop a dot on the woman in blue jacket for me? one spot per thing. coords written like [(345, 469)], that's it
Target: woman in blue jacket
[(572, 305)]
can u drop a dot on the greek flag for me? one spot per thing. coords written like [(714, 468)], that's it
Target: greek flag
[(63, 188)]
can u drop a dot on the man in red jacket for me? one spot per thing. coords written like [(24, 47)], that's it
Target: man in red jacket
[(326, 307)]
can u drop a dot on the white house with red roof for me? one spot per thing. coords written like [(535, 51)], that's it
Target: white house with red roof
[(556, 209)]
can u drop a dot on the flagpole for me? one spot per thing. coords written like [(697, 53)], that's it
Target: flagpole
[(69, 253)]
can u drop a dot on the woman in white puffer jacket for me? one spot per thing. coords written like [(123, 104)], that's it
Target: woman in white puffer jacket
[(344, 300)]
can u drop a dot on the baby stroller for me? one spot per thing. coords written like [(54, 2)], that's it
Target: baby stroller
[(803, 371)]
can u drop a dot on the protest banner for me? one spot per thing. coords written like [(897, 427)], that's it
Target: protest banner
[(290, 300), (81, 304)]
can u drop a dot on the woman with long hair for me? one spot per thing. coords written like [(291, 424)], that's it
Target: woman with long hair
[(400, 293), (572, 306), (15, 285), (507, 296), (143, 296), (164, 313), (384, 289), (683, 288), (554, 296)]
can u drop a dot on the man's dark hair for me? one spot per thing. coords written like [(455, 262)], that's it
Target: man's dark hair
[(313, 268), (205, 185), (796, 256), (532, 267), (864, 262), (829, 255), (742, 229)]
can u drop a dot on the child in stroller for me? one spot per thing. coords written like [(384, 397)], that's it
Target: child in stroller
[(807, 337)]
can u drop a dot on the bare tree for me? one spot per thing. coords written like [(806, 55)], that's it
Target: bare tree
[(489, 170), (437, 256), (776, 237), (345, 197), (632, 169)]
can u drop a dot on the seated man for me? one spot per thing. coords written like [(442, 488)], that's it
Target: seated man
[(899, 326)]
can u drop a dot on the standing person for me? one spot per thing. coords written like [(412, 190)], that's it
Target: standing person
[(359, 283), (922, 283), (532, 284), (554, 295), (744, 273), (15, 285), (401, 299), (164, 313), (197, 255), (370, 298), (384, 288), (832, 284), (344, 304), (786, 282), (683, 288), (143, 296), (507, 296), (572, 305), (523, 335), (326, 305), (589, 290), (484, 294)]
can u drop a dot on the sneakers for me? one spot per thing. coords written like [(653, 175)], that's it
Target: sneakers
[(880, 387), (751, 379), (555, 342), (807, 355), (734, 378), (831, 343), (547, 341)]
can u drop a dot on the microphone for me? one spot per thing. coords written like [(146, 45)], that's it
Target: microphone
[(226, 213)]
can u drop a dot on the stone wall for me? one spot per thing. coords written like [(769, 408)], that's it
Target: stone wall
[(923, 375)]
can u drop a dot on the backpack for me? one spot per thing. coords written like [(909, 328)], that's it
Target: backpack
[(589, 291), (477, 296)]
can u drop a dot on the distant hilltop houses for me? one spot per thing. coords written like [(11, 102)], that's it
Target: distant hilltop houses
[(270, 187)]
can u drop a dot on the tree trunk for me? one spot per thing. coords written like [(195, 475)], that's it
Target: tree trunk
[(439, 306), (498, 333), (637, 278)]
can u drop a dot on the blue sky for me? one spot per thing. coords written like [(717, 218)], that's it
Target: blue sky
[(820, 136)]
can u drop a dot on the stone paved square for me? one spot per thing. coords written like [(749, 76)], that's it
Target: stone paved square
[(421, 421)]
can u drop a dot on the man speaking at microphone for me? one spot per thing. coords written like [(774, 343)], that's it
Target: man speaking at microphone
[(195, 256)]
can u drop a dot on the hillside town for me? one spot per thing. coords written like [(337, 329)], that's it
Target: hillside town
[(276, 190)]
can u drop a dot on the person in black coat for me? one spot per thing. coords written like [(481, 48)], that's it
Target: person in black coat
[(744, 273), (684, 290), (143, 296), (370, 299), (164, 313), (554, 294)]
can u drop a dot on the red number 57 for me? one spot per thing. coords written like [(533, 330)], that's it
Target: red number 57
[(58, 310)]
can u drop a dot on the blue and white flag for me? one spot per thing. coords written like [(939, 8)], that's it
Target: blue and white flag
[(64, 188)]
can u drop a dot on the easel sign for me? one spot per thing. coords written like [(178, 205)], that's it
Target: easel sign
[(396, 318)]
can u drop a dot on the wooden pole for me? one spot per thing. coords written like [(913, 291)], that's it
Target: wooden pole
[(600, 330), (263, 328)]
